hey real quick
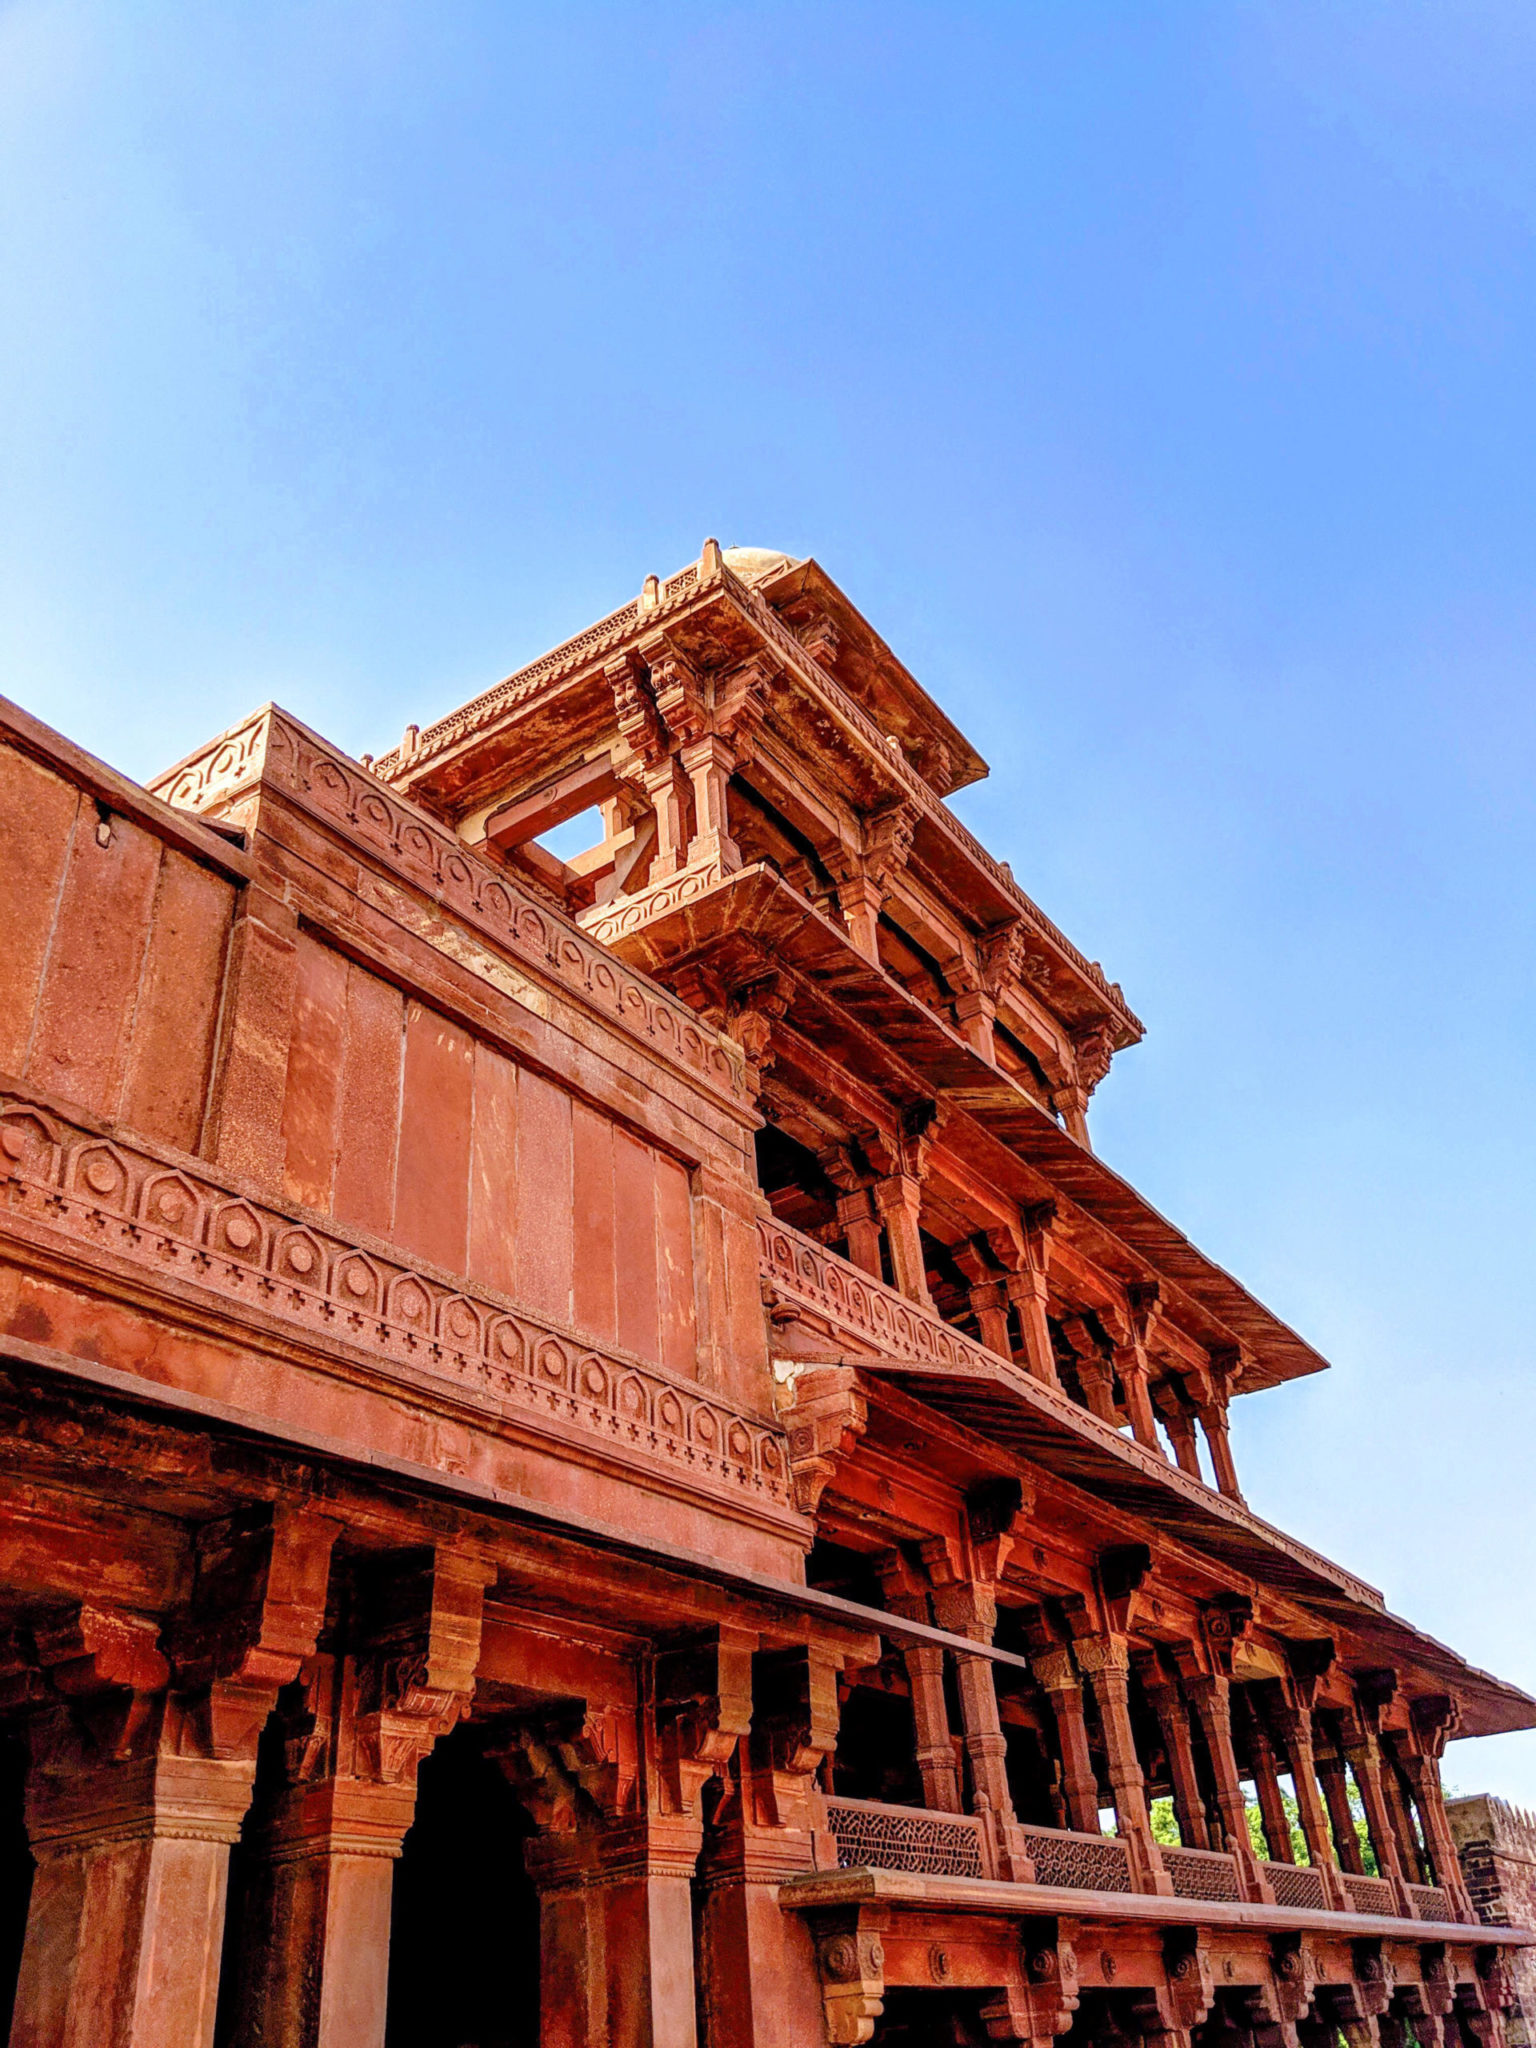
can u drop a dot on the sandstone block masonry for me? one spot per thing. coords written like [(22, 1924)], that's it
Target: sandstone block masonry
[(1497, 1846)]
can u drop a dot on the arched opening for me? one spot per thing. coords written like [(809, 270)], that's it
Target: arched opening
[(16, 1867), (464, 1934)]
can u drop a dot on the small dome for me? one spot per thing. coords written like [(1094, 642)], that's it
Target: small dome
[(756, 565)]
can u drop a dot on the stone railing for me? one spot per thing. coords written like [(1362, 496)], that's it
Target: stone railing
[(1202, 1874), (1431, 1902), (1297, 1885), (875, 1837), (874, 1320), (858, 1305), (1083, 1863)]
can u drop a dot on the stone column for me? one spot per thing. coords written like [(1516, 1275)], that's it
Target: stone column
[(1212, 1698), (899, 1198), (1058, 1678), (126, 1919), (664, 785), (860, 1226), (1295, 1725), (316, 1951), (969, 1608), (1129, 1334), (1094, 1370), (759, 1983), (1277, 1827), (936, 1765), (616, 1933), (1173, 1724), (1213, 1420), (1106, 1661), (859, 898), (137, 1790), (1365, 1761), (709, 763), (1429, 1796), (1022, 1251), (1335, 1783), (988, 1297), (1180, 1425)]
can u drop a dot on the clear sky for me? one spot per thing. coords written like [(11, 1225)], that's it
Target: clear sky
[(1157, 377)]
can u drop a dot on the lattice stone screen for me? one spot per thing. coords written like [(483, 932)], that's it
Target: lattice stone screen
[(1202, 1874), (904, 1838), (1370, 1895), (1430, 1902), (1085, 1863), (1295, 1884)]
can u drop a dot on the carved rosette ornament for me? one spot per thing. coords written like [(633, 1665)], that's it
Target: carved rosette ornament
[(850, 1961)]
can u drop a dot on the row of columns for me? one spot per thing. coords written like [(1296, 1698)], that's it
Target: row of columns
[(1103, 1661), (143, 1775), (1007, 1288)]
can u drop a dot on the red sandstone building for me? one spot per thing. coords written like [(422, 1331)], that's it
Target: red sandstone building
[(591, 1455)]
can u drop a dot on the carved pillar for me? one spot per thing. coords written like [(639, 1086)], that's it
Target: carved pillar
[(759, 1986), (141, 1777), (905, 1595), (1029, 1289), (317, 1952), (1093, 1370), (126, 1916), (1106, 1661), (1365, 1762), (1173, 1724), (1434, 1720), (709, 763), (975, 1015), (856, 1217), (1058, 1678), (1266, 1780), (988, 1296), (1335, 1783), (613, 1865), (1401, 1813), (1129, 1335), (1168, 1399), (1211, 1405), (1212, 1699), (1295, 1725), (899, 1198), (665, 786), (860, 1226), (969, 1608)]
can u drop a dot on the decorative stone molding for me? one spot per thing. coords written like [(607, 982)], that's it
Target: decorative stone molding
[(273, 749), (172, 1223)]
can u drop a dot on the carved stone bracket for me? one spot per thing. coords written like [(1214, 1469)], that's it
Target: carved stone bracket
[(850, 1961)]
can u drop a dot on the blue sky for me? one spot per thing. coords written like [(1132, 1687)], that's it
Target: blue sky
[(1158, 378)]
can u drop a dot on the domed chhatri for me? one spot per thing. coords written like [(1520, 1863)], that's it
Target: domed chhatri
[(756, 565)]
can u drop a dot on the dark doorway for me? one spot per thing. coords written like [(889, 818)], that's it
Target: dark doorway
[(16, 1867), (464, 1937)]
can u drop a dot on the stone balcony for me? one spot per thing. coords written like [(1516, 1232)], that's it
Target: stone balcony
[(1100, 1872)]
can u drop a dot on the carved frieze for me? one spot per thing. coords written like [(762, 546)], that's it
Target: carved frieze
[(170, 1223)]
